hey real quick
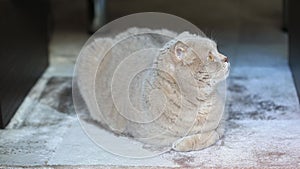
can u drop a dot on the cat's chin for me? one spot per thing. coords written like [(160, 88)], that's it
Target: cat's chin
[(223, 74), (227, 70)]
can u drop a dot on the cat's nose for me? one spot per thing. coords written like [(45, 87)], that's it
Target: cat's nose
[(224, 58)]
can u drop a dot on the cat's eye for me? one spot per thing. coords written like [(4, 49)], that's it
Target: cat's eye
[(210, 57)]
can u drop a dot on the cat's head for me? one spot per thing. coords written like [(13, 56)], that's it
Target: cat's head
[(200, 55)]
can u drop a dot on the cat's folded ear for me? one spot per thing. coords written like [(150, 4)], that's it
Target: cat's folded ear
[(179, 50)]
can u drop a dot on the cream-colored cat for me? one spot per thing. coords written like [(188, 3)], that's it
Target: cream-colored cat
[(177, 101)]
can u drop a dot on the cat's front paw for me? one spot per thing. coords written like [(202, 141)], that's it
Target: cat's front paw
[(182, 145), (196, 142)]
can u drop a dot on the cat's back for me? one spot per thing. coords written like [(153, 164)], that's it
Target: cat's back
[(97, 64)]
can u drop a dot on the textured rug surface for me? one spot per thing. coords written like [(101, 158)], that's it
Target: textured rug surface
[(262, 129)]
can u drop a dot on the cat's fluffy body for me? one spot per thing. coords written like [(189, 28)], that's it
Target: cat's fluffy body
[(187, 70)]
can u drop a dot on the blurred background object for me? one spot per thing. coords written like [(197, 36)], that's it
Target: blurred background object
[(97, 14), (293, 8), (24, 43)]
